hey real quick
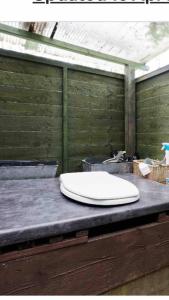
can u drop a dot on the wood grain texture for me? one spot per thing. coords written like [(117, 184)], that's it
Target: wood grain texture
[(29, 123), (55, 63), (22, 66), (33, 153), (101, 264), (130, 111), (155, 283), (36, 97), (26, 109), (30, 110), (29, 81), (152, 115), (65, 120), (96, 115), (30, 138), (34, 101)]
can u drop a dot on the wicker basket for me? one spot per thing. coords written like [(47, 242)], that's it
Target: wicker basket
[(158, 173)]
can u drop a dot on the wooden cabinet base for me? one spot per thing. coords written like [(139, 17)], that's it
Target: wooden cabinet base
[(155, 283), (89, 265)]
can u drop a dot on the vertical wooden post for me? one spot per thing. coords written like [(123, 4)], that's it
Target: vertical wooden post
[(130, 110), (65, 122)]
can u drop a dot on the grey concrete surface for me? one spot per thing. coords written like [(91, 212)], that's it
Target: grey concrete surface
[(35, 208)]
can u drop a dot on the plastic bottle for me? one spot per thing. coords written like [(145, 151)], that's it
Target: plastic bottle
[(167, 180), (166, 148)]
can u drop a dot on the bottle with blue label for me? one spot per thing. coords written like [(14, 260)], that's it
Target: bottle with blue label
[(165, 147)]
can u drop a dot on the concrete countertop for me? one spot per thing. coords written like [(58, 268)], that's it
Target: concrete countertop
[(32, 209)]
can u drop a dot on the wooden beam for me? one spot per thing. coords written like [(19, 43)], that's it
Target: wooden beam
[(51, 62), (67, 46), (130, 111), (153, 74), (86, 266), (65, 122)]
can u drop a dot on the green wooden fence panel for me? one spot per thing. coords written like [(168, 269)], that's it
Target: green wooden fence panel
[(152, 97), (54, 112)]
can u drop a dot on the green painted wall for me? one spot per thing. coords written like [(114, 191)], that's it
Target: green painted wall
[(95, 116), (30, 110), (152, 115), (31, 96)]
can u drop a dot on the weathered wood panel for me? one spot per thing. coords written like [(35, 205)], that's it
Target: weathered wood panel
[(27, 81), (20, 66), (130, 111), (99, 265), (155, 283), (29, 123), (95, 116), (32, 96), (31, 153), (152, 115), (30, 139), (30, 110), (65, 120), (18, 95)]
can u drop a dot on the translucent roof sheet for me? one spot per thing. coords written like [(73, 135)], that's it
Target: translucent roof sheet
[(137, 41)]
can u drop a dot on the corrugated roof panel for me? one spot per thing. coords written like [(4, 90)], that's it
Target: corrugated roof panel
[(43, 28), (137, 41), (17, 44)]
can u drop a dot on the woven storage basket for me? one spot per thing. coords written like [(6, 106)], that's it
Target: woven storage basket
[(158, 172)]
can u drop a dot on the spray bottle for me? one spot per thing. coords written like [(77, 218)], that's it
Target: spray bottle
[(166, 148)]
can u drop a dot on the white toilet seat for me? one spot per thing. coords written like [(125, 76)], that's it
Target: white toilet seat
[(98, 188)]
